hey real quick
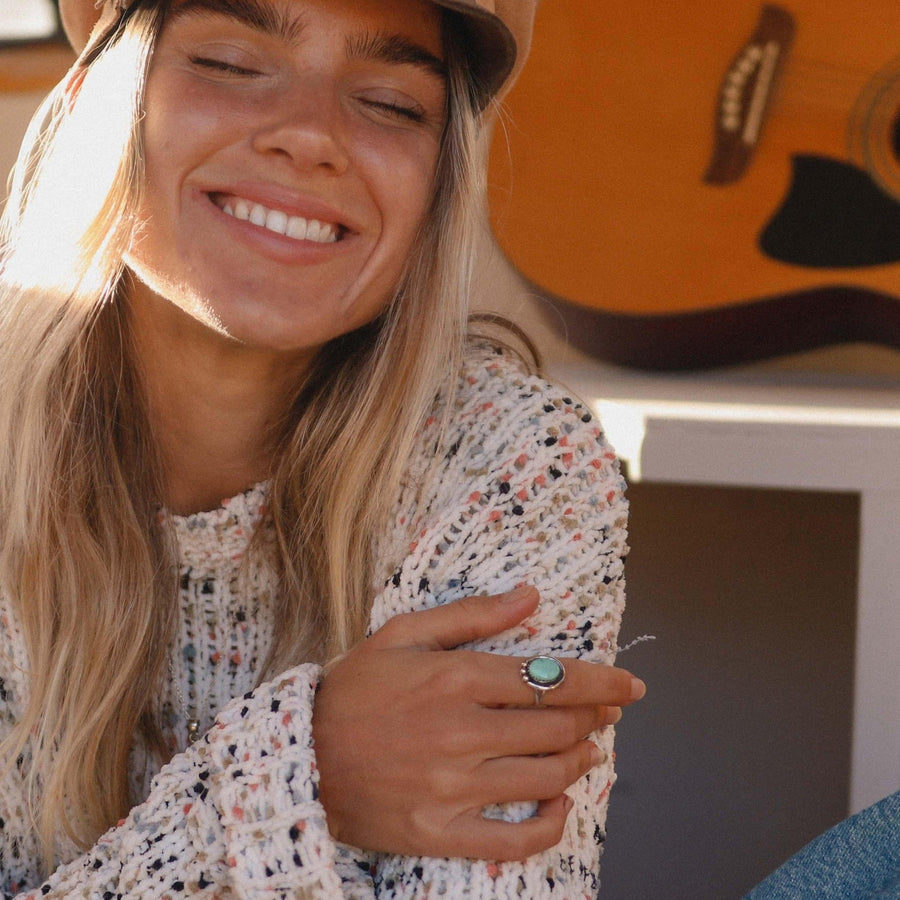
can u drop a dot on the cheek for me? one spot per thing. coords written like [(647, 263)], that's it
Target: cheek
[(165, 145), (183, 124), (402, 176)]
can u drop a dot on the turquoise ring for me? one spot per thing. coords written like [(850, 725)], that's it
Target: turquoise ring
[(542, 674)]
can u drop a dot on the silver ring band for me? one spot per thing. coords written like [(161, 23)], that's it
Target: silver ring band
[(542, 674)]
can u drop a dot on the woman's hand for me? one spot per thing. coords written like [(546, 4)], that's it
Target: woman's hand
[(413, 739)]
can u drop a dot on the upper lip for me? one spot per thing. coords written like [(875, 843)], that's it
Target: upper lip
[(288, 200)]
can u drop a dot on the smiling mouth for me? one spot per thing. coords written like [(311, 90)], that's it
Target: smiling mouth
[(295, 227)]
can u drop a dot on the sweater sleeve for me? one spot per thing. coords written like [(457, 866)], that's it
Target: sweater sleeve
[(530, 493), (235, 815)]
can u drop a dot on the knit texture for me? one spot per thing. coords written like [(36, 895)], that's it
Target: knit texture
[(520, 489)]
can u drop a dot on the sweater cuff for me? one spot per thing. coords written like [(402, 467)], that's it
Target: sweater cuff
[(266, 789)]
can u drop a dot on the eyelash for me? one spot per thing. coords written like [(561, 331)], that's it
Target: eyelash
[(221, 66), (409, 113)]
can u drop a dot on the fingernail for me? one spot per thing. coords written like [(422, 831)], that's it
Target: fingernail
[(568, 803), (517, 594), (597, 756), (638, 688)]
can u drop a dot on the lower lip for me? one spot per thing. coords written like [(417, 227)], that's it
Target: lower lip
[(278, 247)]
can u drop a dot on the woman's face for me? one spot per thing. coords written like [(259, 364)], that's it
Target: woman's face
[(290, 150)]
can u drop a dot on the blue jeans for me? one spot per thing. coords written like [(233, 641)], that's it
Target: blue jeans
[(858, 859)]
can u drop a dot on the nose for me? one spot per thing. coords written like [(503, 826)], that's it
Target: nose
[(304, 128)]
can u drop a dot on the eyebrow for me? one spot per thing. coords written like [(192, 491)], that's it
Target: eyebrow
[(394, 49), (258, 15)]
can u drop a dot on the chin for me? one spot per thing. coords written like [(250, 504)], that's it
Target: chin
[(304, 339)]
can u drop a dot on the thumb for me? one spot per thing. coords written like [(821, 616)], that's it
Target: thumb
[(452, 624)]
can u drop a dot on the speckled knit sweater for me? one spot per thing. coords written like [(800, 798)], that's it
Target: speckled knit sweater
[(527, 491)]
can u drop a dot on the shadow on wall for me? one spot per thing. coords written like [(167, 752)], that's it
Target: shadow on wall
[(740, 753)]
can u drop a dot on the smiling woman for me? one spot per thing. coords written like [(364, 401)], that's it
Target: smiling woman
[(236, 264), (286, 128)]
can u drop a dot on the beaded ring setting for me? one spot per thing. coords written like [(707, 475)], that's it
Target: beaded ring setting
[(542, 674)]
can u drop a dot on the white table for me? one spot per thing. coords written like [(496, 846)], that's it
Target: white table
[(785, 430)]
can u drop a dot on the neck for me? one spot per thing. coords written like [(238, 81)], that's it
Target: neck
[(212, 403)]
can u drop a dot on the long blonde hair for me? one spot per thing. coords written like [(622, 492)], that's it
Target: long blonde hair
[(84, 559)]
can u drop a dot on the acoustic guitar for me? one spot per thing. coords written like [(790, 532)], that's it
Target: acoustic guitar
[(707, 183)]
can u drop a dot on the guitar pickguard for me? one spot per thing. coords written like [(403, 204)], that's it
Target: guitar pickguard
[(834, 216)]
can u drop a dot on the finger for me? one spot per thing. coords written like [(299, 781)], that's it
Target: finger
[(524, 778), (497, 681), (452, 624), (590, 683), (476, 837), (612, 715), (526, 732)]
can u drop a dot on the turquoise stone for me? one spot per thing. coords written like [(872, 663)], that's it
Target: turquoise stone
[(545, 671)]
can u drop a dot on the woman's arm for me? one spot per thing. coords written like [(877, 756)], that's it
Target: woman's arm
[(238, 813), (414, 740), (235, 815), (530, 494)]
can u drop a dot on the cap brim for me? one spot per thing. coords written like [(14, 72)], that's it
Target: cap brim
[(491, 44)]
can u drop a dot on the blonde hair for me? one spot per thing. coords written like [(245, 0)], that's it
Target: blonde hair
[(84, 559)]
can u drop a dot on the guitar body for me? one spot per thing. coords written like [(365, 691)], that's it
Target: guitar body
[(707, 183)]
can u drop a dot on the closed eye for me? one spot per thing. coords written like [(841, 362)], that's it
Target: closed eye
[(220, 65), (398, 110)]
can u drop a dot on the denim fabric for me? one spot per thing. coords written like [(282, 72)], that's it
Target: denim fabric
[(858, 859)]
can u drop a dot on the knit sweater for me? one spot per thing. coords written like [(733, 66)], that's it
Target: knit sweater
[(526, 491)]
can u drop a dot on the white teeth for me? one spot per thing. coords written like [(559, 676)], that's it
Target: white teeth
[(276, 220), (296, 227), (280, 222)]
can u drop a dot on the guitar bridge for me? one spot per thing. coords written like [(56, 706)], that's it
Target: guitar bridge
[(745, 94)]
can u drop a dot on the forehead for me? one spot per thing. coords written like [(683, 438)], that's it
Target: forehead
[(287, 19)]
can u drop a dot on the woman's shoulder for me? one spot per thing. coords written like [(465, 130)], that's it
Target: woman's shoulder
[(493, 367), (515, 483), (502, 402), (507, 439)]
